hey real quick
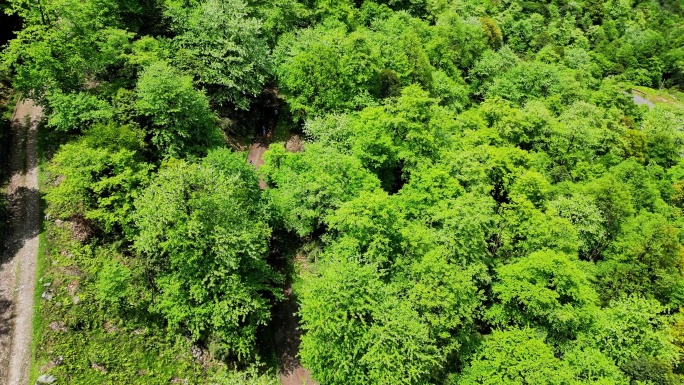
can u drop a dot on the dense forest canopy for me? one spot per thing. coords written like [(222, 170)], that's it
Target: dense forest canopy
[(479, 199)]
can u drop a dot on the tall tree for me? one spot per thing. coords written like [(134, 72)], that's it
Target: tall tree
[(221, 45), (180, 121), (203, 236)]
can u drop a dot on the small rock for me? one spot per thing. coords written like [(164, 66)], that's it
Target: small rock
[(72, 287), (46, 296), (47, 284), (46, 379), (96, 366), (56, 362), (76, 300), (58, 326), (59, 222), (196, 352), (109, 327)]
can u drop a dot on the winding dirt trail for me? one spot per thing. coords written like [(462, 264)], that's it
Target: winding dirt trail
[(18, 263)]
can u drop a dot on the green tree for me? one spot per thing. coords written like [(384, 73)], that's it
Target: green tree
[(664, 138), (548, 290), (585, 215), (308, 186), (65, 44), (180, 121), (465, 227), (359, 331), (645, 258), (98, 180), (534, 80), (76, 111), (326, 69), (455, 43), (591, 366), (368, 226), (220, 44), (633, 332), (203, 237), (515, 356), (488, 66)]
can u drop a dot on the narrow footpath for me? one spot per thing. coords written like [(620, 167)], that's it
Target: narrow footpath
[(18, 262), (287, 332)]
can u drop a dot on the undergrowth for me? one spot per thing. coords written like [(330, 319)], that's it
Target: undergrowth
[(82, 338)]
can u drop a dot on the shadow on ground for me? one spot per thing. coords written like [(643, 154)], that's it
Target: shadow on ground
[(14, 204)]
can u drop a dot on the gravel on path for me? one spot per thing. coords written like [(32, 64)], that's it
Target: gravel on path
[(18, 262)]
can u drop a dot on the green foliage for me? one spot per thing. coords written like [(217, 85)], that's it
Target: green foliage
[(646, 258), (489, 65), (590, 366), (113, 282), (478, 198), (307, 186), (350, 316), (633, 330), (391, 140), (251, 376), (368, 226), (534, 80), (456, 43), (515, 356), (221, 46), (75, 112), (181, 122), (326, 69), (545, 289), (662, 127), (98, 181), (203, 238), (585, 215)]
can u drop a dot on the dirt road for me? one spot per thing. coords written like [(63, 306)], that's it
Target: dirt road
[(18, 263)]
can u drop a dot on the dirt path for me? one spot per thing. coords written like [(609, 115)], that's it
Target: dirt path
[(255, 157), (640, 100), (18, 263), (287, 332), (287, 338)]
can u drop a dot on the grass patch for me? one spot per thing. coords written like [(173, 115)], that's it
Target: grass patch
[(663, 96), (39, 324)]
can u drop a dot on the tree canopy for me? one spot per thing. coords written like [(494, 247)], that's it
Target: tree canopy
[(452, 192)]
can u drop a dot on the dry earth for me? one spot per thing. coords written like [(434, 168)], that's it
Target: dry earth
[(18, 263)]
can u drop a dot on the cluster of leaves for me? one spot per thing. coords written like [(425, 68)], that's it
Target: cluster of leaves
[(491, 204), (493, 207), (133, 92)]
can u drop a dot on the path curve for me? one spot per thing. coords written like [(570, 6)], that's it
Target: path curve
[(18, 263)]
